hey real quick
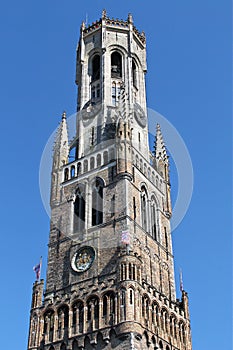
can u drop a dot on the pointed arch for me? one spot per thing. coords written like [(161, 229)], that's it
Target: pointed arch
[(79, 209), (77, 316), (144, 208), (93, 312), (95, 68), (97, 202), (49, 324), (153, 211), (134, 74), (63, 321), (116, 65)]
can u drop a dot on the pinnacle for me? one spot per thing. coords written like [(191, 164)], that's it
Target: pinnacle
[(160, 149)]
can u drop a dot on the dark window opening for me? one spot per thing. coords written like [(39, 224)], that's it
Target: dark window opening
[(134, 74), (96, 68), (97, 203), (79, 211), (116, 65)]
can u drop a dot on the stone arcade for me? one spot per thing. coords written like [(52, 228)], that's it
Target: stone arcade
[(110, 274)]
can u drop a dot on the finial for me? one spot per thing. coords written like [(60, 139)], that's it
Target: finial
[(104, 14), (83, 25), (130, 18), (64, 115)]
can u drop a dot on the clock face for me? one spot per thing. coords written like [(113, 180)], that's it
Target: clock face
[(139, 115), (83, 259)]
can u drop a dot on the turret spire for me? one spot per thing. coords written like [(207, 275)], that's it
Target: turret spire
[(61, 147), (160, 149)]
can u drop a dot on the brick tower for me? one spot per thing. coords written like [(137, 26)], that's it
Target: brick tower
[(110, 275)]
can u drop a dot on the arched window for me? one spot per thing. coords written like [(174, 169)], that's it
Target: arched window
[(79, 168), (63, 346), (63, 321), (153, 219), (97, 202), (66, 174), (72, 171), (123, 304), (112, 156), (145, 307), (93, 313), (134, 74), (79, 209), (92, 163), (98, 159), (96, 68), (105, 157), (49, 325), (85, 165), (116, 65), (131, 297), (144, 204), (109, 307), (77, 317), (160, 345)]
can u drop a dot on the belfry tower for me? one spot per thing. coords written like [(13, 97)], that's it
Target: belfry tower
[(110, 275)]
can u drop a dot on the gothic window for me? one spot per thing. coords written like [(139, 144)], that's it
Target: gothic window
[(105, 305), (139, 274), (97, 202), (92, 308), (72, 171), (49, 324), (66, 174), (98, 159), (166, 238), (92, 163), (96, 68), (116, 65), (79, 209), (112, 154), (79, 168), (145, 307), (131, 296), (123, 304), (153, 218), (85, 165), (78, 317), (105, 157), (134, 74), (63, 321), (112, 209), (144, 211), (109, 307)]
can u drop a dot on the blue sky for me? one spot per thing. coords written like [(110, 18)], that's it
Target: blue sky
[(188, 81)]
